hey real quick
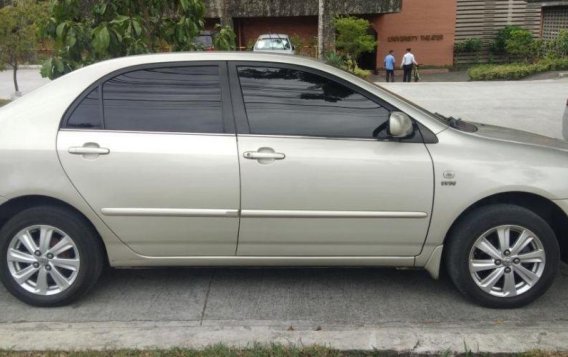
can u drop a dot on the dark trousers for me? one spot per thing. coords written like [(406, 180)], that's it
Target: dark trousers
[(407, 77), (390, 75)]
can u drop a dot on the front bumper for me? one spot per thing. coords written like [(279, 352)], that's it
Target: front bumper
[(563, 204)]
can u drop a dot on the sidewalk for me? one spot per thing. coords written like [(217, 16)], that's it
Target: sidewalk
[(431, 75), (427, 75)]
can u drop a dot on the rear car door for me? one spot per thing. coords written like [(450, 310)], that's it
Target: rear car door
[(315, 181), (153, 150)]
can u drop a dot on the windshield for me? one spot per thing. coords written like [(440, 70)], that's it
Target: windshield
[(272, 44)]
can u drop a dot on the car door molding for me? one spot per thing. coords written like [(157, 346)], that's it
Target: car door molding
[(169, 212), (250, 213)]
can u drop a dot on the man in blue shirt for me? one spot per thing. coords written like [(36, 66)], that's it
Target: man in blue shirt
[(389, 66)]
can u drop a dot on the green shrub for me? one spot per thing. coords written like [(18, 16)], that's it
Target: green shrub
[(362, 73), (335, 59), (555, 64), (560, 44), (490, 72), (498, 47), (520, 44), (471, 45)]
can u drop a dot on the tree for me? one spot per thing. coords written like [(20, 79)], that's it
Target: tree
[(353, 38), (224, 39), (115, 28), (18, 34)]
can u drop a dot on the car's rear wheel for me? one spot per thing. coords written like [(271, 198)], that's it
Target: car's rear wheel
[(49, 256), (502, 256)]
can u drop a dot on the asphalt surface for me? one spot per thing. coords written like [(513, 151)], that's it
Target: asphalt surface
[(345, 308), (314, 297), (370, 309)]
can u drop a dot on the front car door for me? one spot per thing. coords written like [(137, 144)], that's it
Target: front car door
[(153, 150), (315, 181)]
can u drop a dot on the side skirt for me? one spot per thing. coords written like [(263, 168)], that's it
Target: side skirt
[(144, 261)]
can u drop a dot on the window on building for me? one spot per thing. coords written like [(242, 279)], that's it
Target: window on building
[(282, 101), (554, 19)]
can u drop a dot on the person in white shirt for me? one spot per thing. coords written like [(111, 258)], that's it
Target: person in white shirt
[(408, 62)]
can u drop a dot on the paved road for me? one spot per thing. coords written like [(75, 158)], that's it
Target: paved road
[(317, 297), (28, 80), (353, 308), (534, 106)]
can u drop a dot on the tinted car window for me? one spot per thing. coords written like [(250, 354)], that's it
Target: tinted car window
[(88, 113), (281, 101), (178, 99)]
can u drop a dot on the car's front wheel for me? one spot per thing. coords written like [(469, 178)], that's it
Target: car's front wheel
[(49, 256), (502, 256)]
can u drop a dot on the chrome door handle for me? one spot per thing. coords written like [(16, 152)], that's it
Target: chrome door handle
[(260, 155), (88, 149), (79, 150)]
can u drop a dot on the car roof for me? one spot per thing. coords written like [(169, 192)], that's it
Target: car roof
[(272, 35), (69, 86), (169, 57)]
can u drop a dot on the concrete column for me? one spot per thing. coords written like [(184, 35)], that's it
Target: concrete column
[(226, 19), (329, 29), (326, 28)]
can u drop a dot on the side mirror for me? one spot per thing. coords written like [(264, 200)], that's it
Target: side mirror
[(400, 125)]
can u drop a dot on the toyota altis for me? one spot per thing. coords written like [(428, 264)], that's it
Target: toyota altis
[(236, 159)]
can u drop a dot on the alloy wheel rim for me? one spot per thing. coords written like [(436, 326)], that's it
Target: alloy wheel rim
[(507, 261), (43, 260)]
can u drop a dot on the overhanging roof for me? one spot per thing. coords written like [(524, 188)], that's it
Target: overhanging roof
[(550, 2), (281, 8)]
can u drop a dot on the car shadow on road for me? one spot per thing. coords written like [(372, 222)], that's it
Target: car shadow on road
[(332, 296)]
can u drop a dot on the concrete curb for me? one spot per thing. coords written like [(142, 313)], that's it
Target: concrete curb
[(424, 338)]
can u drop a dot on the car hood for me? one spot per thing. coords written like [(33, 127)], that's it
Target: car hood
[(285, 52), (519, 136)]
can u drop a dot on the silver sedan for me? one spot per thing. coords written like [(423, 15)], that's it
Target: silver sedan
[(233, 159)]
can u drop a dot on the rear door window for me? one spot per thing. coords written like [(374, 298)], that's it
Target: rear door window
[(178, 99), (184, 99)]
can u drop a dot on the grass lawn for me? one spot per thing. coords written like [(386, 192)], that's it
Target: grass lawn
[(214, 351), (262, 351), (4, 102)]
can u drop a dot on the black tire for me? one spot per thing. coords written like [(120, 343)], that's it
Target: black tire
[(470, 228), (86, 240)]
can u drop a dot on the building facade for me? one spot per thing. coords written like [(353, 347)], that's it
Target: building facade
[(429, 27)]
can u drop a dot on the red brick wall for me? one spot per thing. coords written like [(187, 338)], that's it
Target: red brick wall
[(248, 29), (419, 18)]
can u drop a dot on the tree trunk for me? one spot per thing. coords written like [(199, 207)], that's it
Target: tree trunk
[(15, 66), (321, 9)]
